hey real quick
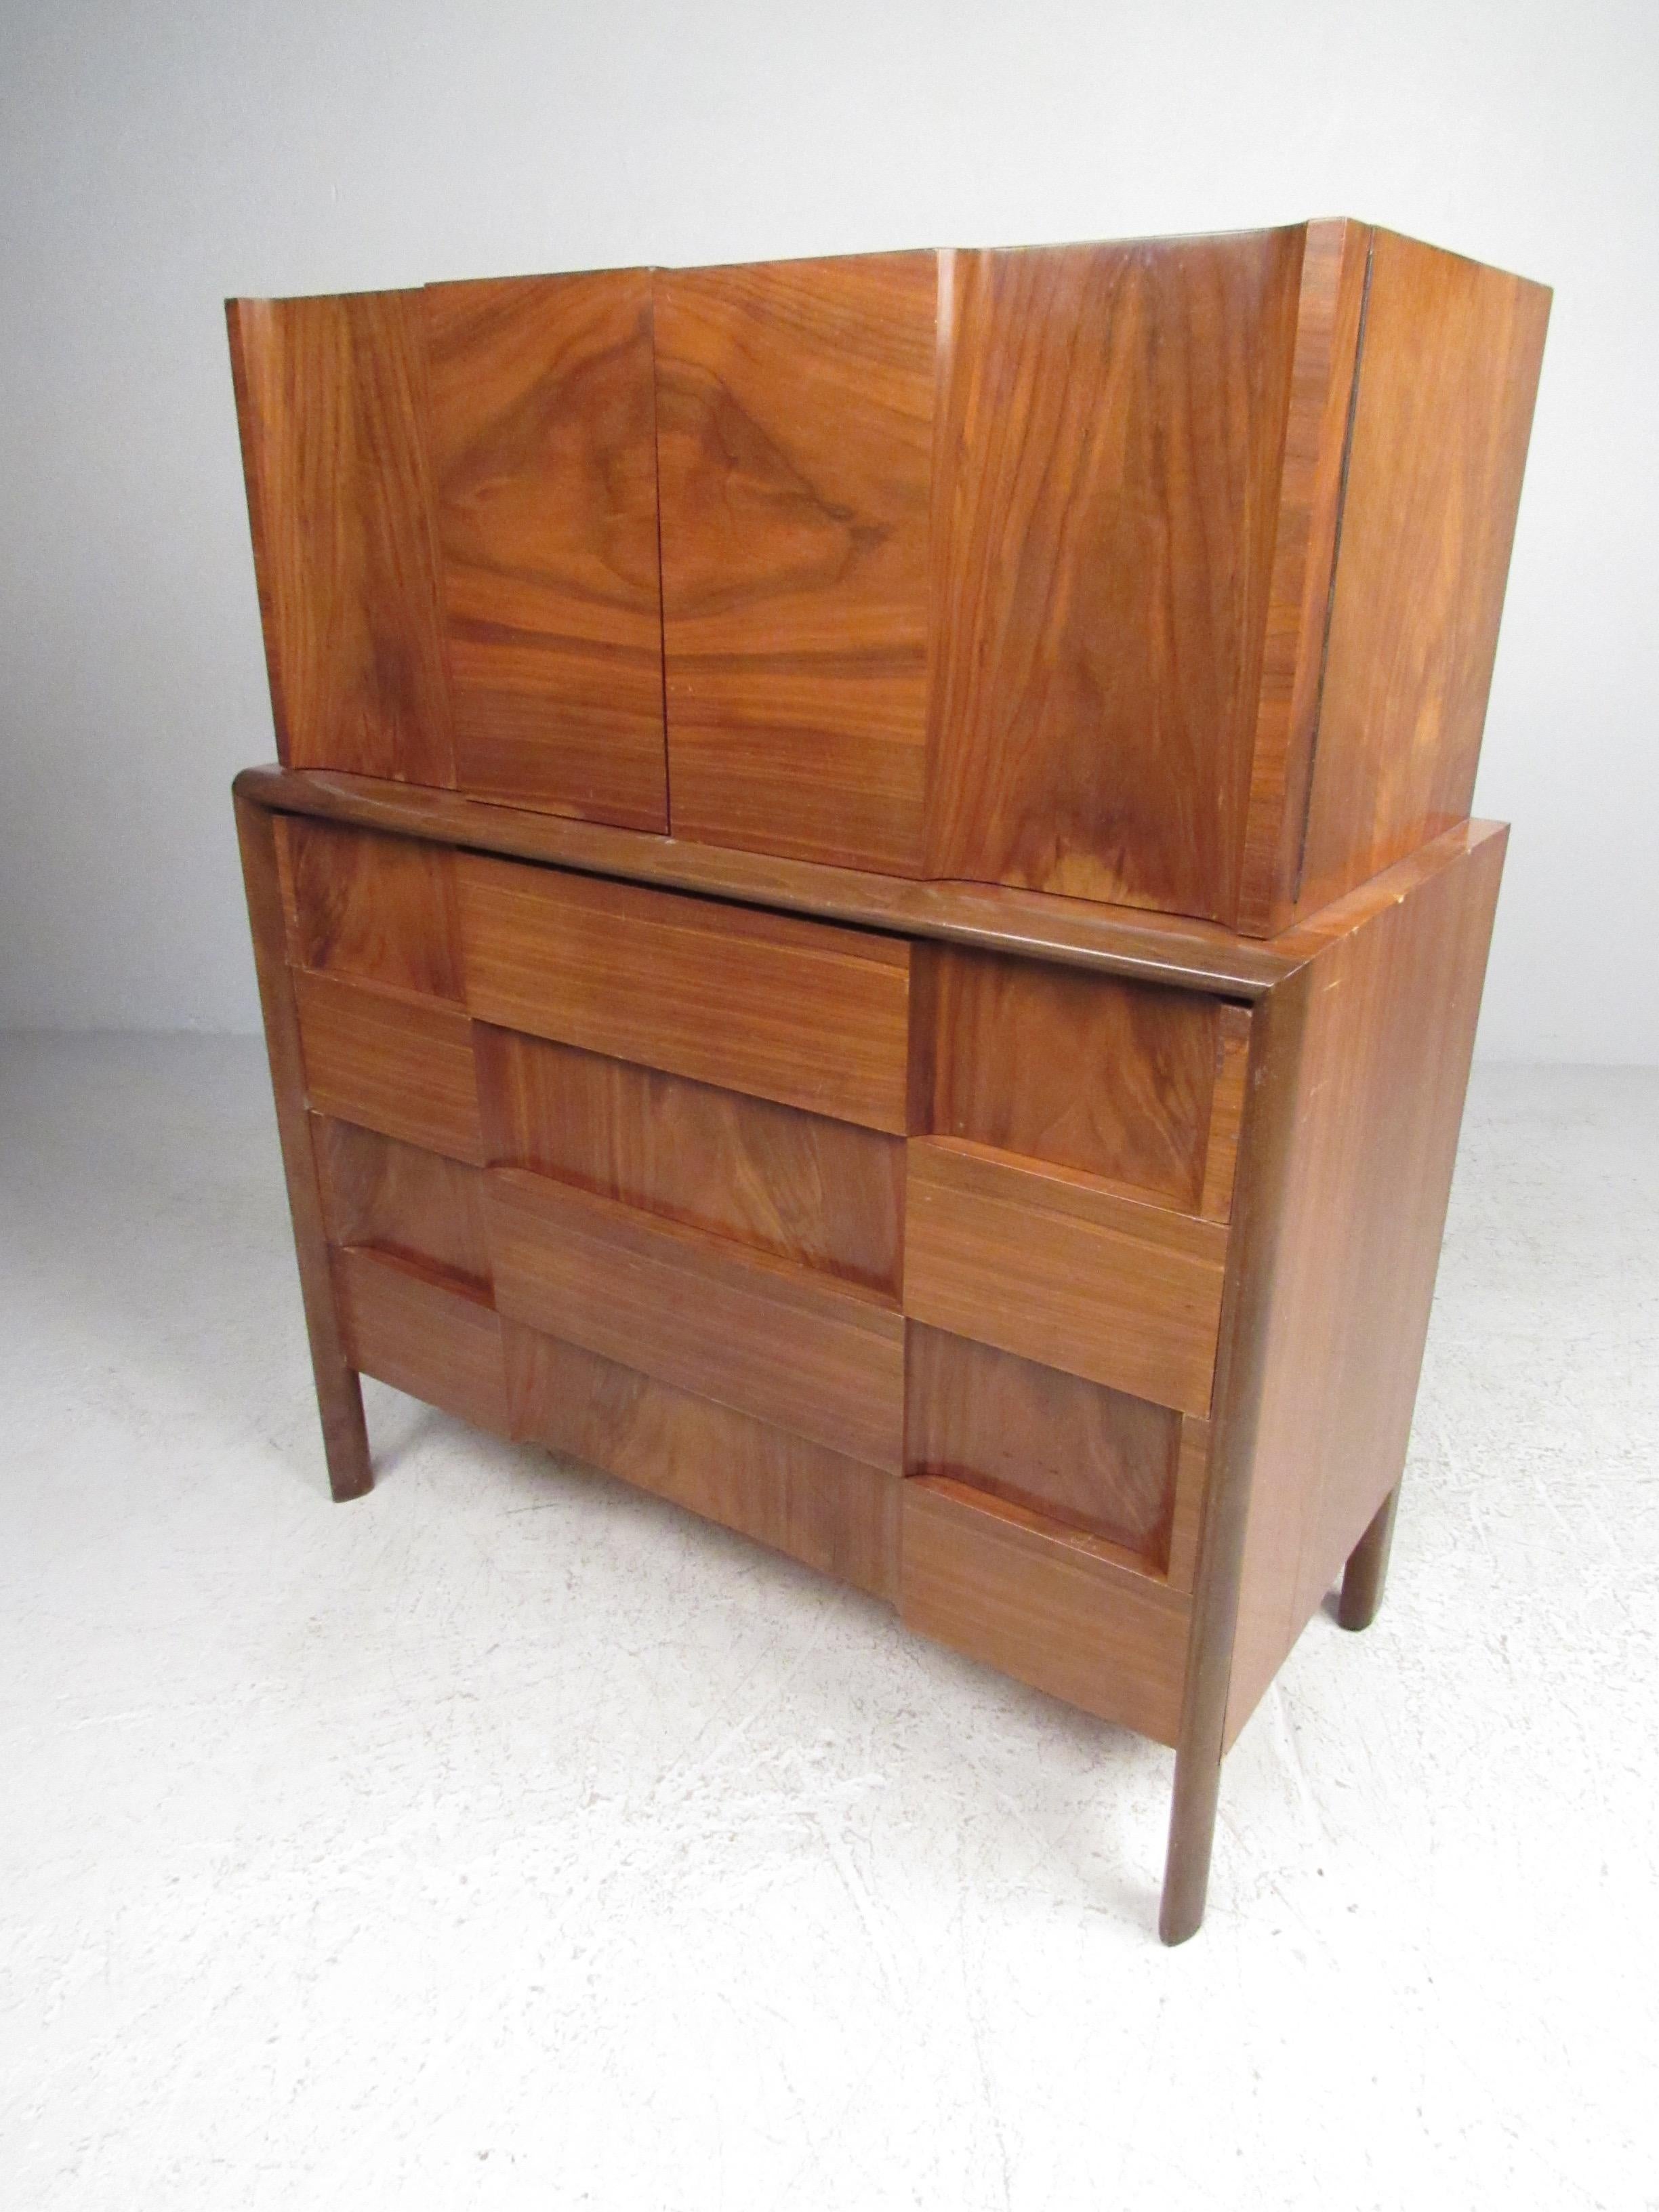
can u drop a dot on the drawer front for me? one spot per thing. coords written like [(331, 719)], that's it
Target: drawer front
[(1071, 1451), (826, 1194), (1052, 1265), (1127, 1081), (396, 1198), (424, 1333), (820, 1359), (1042, 1604), (401, 1065), (803, 1012), (830, 1512)]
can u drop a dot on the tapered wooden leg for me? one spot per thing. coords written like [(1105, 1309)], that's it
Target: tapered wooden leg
[(1192, 1833), (1368, 1568), (339, 1395)]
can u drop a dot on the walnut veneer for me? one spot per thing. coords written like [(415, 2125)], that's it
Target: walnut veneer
[(868, 917)]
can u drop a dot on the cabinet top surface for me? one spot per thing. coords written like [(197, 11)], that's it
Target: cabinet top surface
[(1035, 925)]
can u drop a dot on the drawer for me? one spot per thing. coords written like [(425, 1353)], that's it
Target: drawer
[(1074, 1451), (390, 1061), (399, 1199), (822, 1359), (1059, 1268), (830, 1512), (375, 909), (1138, 1083), (423, 1333), (827, 1194), (807, 1013), (1048, 1605)]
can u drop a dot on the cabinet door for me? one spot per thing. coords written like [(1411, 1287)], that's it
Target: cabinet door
[(1112, 447), (795, 431), (544, 466), (454, 510)]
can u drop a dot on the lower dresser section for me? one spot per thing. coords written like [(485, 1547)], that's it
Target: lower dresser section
[(1086, 1617)]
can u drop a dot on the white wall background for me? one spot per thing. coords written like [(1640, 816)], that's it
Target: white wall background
[(154, 158)]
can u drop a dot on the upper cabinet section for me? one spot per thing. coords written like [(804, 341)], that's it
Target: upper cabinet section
[(1166, 574), (453, 499)]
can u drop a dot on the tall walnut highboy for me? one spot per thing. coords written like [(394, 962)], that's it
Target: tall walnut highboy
[(868, 917)]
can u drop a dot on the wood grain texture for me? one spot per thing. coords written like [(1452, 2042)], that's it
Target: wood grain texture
[(795, 434), (1383, 1069), (797, 1012), (391, 1062), (1232, 1048), (826, 1194), (823, 1359), (1115, 418), (1060, 1268), (381, 909), (1080, 1455), (1080, 1070), (1447, 375), (330, 397), (1335, 263), (426, 1333), (545, 469), (832, 1513), (1191, 1487), (1049, 1606), (339, 1399), (413, 1204), (1170, 951)]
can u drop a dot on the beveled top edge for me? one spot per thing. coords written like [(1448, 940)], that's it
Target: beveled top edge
[(1146, 947)]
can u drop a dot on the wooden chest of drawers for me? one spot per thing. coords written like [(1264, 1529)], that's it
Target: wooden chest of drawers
[(655, 1079)]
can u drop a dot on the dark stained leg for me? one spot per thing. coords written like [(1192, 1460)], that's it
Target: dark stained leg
[(1368, 1568)]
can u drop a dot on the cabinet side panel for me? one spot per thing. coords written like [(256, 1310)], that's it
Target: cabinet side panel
[(795, 430), (331, 397), (1116, 417), (1335, 267), (1378, 1104), (1448, 374), (544, 469)]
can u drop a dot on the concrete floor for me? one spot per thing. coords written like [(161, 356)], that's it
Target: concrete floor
[(510, 1839)]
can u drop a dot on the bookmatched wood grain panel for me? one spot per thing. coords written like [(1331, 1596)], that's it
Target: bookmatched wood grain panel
[(1447, 375), (795, 435), (1378, 1098), (1048, 1605), (1335, 262), (331, 396), (1089, 1457), (382, 909), (825, 1193), (414, 1204), (545, 467), (1116, 414), (800, 1013), (430, 1333), (1059, 1268), (1083, 1070), (830, 1512), (823, 1359), (391, 1062)]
